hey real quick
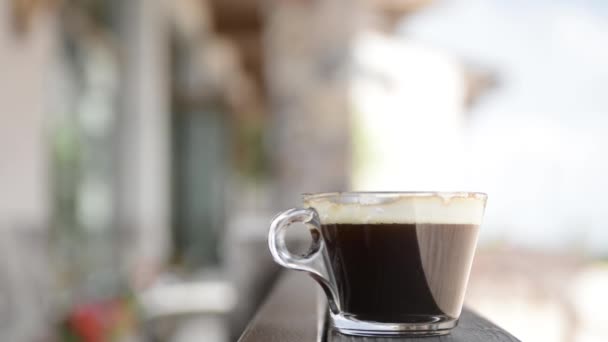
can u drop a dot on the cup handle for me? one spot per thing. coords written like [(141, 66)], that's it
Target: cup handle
[(315, 261)]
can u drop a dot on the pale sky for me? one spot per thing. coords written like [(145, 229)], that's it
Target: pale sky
[(541, 139), (538, 144)]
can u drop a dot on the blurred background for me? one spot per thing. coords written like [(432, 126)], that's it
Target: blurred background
[(145, 146)]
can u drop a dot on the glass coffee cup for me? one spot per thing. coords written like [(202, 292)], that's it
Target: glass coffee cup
[(390, 263)]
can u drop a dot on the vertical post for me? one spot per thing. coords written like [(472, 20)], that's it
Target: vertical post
[(143, 193), (308, 57)]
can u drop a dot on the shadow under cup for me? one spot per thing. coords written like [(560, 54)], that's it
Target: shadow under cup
[(389, 263)]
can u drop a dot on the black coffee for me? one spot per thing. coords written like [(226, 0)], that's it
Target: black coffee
[(400, 272)]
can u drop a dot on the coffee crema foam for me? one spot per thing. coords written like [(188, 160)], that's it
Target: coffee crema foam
[(371, 208)]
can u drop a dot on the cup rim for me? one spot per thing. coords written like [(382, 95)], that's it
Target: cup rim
[(307, 196)]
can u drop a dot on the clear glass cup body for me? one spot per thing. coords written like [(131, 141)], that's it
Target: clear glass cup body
[(390, 263)]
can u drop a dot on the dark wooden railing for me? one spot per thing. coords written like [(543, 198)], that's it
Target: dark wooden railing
[(295, 312)]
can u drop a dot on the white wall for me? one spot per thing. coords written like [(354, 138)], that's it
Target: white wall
[(24, 62), (24, 187)]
